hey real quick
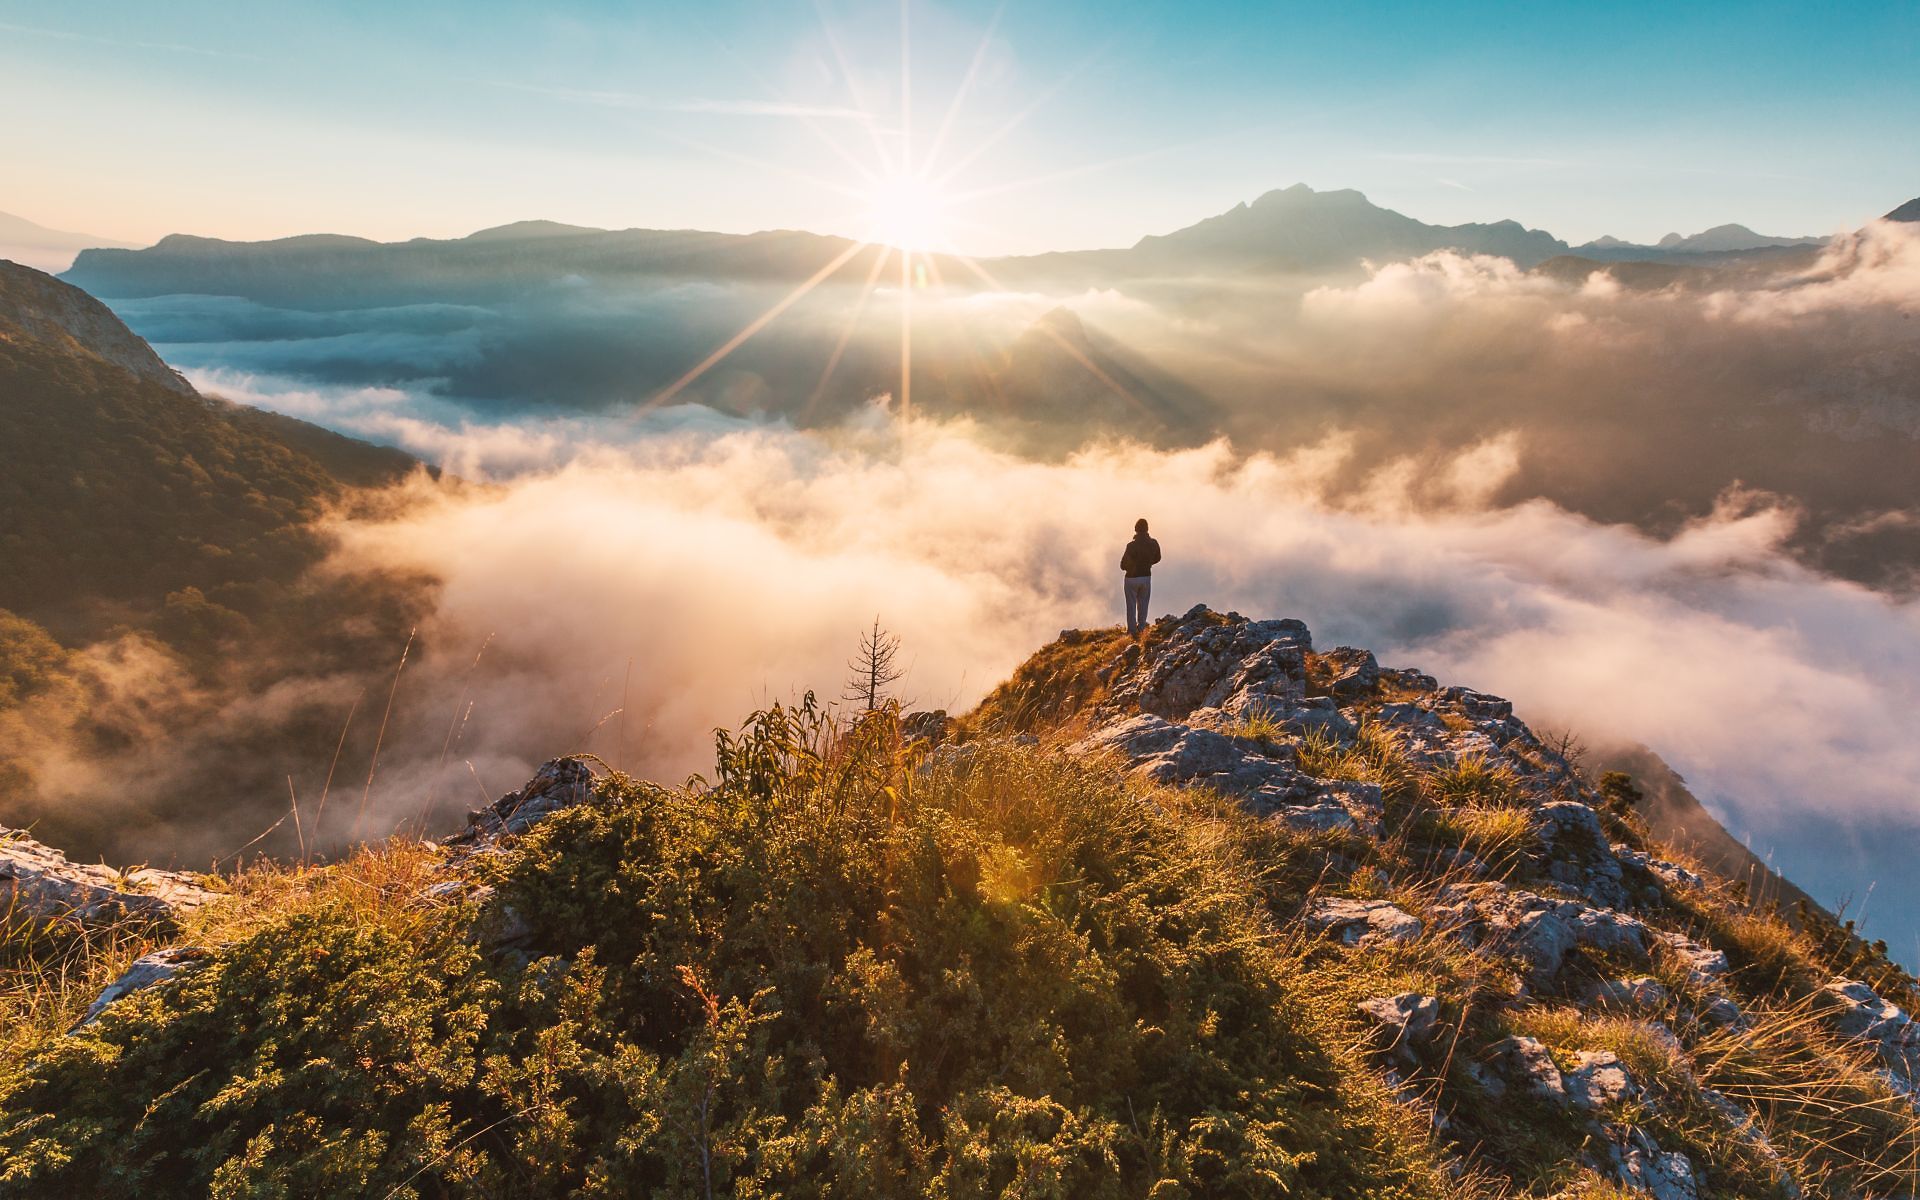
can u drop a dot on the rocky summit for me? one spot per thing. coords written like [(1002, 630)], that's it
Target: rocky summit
[(1210, 912)]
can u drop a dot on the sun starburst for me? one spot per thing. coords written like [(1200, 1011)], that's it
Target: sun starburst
[(907, 210)]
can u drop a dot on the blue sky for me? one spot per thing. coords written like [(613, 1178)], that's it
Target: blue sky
[(1085, 124)]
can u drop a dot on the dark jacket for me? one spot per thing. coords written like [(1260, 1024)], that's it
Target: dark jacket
[(1141, 553)]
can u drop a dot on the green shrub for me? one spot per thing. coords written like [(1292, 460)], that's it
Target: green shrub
[(836, 971)]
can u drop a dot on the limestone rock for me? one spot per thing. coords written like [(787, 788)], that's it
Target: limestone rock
[(37, 883), (1640, 991), (1860, 1013), (1525, 1062), (1600, 1080), (1537, 930), (558, 784), (1704, 965), (1206, 661), (145, 972), (1351, 673), (1354, 921), (932, 727), (1639, 1163), (1405, 1025)]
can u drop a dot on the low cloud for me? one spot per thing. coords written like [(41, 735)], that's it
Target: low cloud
[(737, 567)]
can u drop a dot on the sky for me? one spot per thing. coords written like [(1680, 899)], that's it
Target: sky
[(1079, 124)]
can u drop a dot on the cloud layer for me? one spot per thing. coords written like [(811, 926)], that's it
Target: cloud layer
[(736, 567)]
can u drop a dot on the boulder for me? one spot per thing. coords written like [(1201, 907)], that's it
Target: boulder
[(1205, 660), (1352, 922), (37, 883), (932, 727), (146, 971), (1704, 965), (1351, 673), (1670, 873), (1167, 752)]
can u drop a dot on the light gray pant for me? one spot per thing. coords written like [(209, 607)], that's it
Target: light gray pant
[(1138, 590)]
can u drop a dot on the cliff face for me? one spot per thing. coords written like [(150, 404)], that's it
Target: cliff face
[(37, 309), (1212, 913)]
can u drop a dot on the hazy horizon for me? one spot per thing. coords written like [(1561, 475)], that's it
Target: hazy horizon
[(1056, 128)]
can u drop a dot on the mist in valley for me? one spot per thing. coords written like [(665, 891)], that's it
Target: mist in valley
[(1684, 516)]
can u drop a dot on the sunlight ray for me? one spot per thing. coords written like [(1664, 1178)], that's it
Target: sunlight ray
[(1072, 350), (813, 125), (906, 89), (966, 86), (747, 160), (1020, 117), (854, 89), (753, 327), (846, 335), (906, 335)]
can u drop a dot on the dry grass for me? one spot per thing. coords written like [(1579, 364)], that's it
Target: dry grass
[(49, 977), (1058, 682)]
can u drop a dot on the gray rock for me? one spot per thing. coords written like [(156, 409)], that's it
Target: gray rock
[(1600, 1080), (1404, 1025), (1704, 965), (560, 783), (1639, 1163), (1863, 1015), (146, 971), (1352, 921), (1167, 752), (1206, 661), (1722, 1012), (932, 727), (1353, 673), (1667, 872), (38, 885), (1579, 855), (1641, 991), (1478, 704), (1402, 713), (1525, 1063), (1316, 818), (1537, 930)]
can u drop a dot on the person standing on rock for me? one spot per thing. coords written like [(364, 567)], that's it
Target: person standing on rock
[(1137, 563)]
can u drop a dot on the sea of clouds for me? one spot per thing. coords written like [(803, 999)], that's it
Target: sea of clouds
[(623, 581)]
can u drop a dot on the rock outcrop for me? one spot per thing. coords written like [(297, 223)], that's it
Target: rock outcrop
[(39, 887), (1574, 903)]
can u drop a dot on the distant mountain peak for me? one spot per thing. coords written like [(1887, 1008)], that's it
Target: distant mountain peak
[(1910, 211), (518, 230)]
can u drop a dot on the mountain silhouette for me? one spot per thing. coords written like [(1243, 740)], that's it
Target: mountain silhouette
[(44, 249)]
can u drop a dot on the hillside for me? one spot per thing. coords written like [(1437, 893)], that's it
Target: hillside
[(1214, 914), (158, 546), (119, 483)]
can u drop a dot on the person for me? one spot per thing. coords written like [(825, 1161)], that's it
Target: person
[(1137, 562)]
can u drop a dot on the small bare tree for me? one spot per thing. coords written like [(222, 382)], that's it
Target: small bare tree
[(873, 670)]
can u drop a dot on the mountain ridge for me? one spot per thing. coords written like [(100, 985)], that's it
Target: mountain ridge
[(1326, 922), (1289, 230)]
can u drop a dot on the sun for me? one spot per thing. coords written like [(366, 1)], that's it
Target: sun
[(907, 212)]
